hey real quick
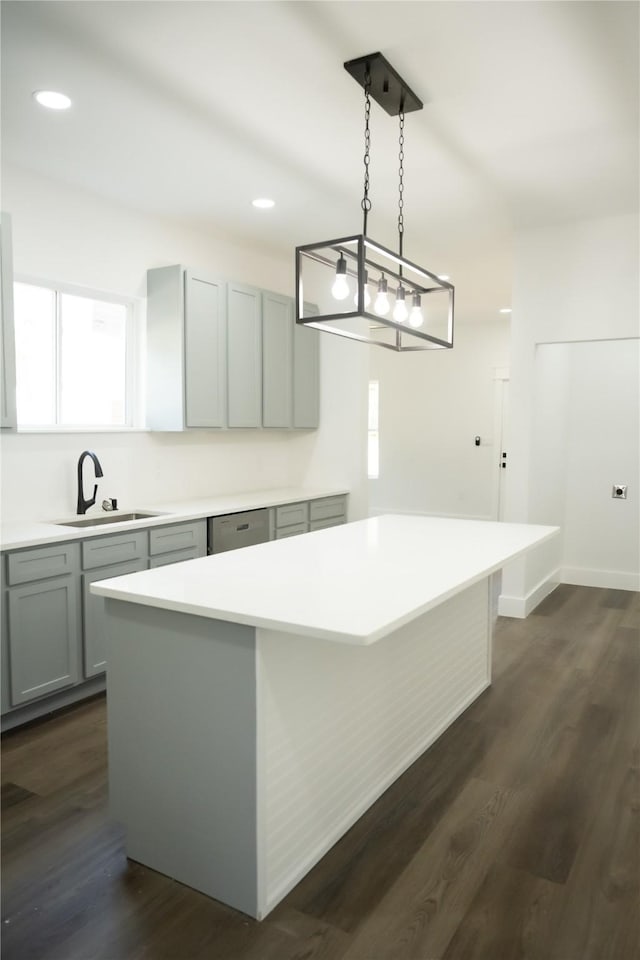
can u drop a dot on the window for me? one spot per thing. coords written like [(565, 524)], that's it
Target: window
[(373, 448), (74, 354)]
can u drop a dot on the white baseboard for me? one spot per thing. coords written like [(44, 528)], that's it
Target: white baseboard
[(610, 579), (521, 607)]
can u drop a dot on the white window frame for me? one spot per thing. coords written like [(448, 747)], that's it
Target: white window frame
[(134, 412)]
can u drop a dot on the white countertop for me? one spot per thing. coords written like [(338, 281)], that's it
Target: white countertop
[(353, 583), (34, 533)]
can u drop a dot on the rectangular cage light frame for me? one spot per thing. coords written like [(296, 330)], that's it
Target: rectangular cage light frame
[(366, 258)]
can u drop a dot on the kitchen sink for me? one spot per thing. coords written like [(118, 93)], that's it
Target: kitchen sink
[(114, 517)]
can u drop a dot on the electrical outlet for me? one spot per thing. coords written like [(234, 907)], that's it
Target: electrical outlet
[(619, 491)]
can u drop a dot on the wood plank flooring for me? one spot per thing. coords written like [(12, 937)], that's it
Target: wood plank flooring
[(515, 837)]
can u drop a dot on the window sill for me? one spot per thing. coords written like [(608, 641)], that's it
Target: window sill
[(91, 430)]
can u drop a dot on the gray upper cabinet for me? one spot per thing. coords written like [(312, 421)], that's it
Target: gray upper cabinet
[(306, 374), (205, 345), (244, 356), (277, 360), (165, 349), (223, 354), (290, 366), (186, 363), (7, 341)]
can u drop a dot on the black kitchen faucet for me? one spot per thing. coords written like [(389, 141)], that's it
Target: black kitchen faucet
[(82, 503)]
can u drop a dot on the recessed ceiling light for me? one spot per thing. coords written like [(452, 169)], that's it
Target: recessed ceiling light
[(263, 203), (505, 310), (444, 276), (53, 100)]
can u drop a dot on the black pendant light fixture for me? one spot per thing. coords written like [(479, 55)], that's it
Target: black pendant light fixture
[(355, 287)]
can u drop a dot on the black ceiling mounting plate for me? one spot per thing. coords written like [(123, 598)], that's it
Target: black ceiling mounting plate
[(387, 87)]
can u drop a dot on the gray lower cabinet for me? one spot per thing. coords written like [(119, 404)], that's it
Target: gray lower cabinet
[(327, 512), (102, 558), (106, 551), (164, 559), (291, 519), (43, 622), (178, 542), (52, 627), (7, 340), (292, 531), (94, 639)]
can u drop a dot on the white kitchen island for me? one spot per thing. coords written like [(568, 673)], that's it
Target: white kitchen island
[(259, 701)]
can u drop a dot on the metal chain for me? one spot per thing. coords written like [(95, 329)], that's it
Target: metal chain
[(401, 184), (366, 202)]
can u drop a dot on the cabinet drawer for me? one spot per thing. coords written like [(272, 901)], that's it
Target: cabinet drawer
[(119, 548), (291, 513), (292, 531), (191, 553), (328, 507), (42, 563), (329, 522), (180, 536)]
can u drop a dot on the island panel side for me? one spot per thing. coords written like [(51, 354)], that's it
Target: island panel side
[(182, 747), (338, 724)]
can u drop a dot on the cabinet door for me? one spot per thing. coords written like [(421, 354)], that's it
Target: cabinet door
[(306, 374), (277, 360), (43, 638), (93, 615), (205, 368), (7, 344), (5, 699), (244, 357), (165, 348)]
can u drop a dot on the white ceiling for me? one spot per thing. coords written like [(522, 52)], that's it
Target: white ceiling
[(189, 110)]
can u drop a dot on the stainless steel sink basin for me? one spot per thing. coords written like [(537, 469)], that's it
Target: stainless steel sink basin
[(114, 517)]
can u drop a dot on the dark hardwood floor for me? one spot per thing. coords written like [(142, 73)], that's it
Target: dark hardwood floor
[(515, 836)]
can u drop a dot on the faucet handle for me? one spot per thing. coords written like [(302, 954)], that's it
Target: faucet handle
[(110, 504)]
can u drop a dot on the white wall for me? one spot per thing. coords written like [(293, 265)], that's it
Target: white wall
[(602, 535), (432, 406), (575, 282), (65, 235)]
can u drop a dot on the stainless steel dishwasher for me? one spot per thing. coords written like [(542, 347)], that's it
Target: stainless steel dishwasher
[(235, 530)]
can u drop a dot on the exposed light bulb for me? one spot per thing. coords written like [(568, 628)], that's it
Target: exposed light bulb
[(400, 312), (367, 295), (340, 288), (381, 306), (415, 317)]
